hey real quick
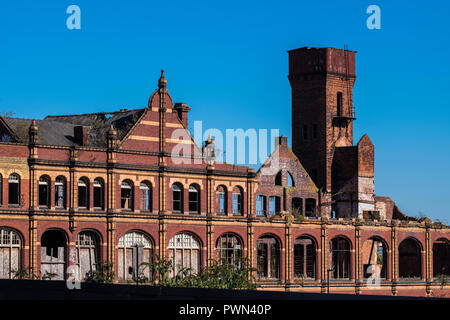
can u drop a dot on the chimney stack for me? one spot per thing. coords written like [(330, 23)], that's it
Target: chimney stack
[(182, 110), (81, 135)]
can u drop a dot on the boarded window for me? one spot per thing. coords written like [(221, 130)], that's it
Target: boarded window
[(53, 254), (184, 250), (268, 258), (87, 253), (134, 249), (229, 249), (304, 258), (60, 192), (14, 189), (10, 251)]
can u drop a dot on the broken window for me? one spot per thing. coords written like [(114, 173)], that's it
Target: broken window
[(268, 258), (409, 259), (374, 257), (194, 198), (14, 189), (304, 258), (340, 258), (310, 207), (53, 253), (297, 205), (177, 198), (83, 193), (274, 205), (44, 192), (87, 253), (184, 250), (237, 201), (441, 258), (261, 205), (60, 192), (10, 253), (222, 199), (278, 179), (146, 196), (229, 249), (99, 192), (126, 195), (134, 249)]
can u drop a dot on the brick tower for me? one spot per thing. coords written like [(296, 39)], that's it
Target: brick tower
[(322, 82)]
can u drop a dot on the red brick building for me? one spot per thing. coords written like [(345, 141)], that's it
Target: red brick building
[(80, 189)]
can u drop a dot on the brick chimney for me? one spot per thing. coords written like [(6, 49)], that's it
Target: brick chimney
[(182, 110), (81, 135)]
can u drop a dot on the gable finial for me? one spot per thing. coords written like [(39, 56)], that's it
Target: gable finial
[(162, 82)]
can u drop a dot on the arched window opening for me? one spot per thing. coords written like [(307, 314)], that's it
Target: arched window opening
[(409, 259), (340, 258), (237, 201), (441, 258), (87, 253), (177, 198), (278, 179), (304, 258), (290, 182), (261, 205), (44, 192), (99, 194), (10, 253), (222, 200), (274, 205), (83, 193), (194, 199), (146, 196), (53, 254), (374, 257), (134, 249), (14, 189), (229, 249), (184, 250), (60, 193), (268, 258), (126, 195)]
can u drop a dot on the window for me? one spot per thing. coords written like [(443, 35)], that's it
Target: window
[(60, 193), (297, 205), (10, 253), (87, 253), (126, 195), (194, 199), (237, 201), (261, 206), (290, 181), (314, 131), (222, 200), (310, 207), (99, 194), (279, 179), (184, 250), (14, 189), (374, 258), (134, 249), (229, 249), (146, 196), (268, 258), (83, 193), (441, 257), (177, 198), (305, 132), (409, 259), (44, 192), (340, 251), (53, 253), (304, 258), (1, 189), (339, 104), (274, 205)]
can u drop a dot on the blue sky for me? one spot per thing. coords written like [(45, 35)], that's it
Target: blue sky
[(227, 60)]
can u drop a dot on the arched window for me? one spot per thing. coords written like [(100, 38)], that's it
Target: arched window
[(60, 192), (229, 249), (177, 198), (409, 259), (146, 196), (310, 207), (134, 249), (14, 189), (87, 253), (83, 193), (53, 254), (261, 205), (99, 194), (374, 255), (10, 247), (126, 195), (238, 198), (441, 258), (221, 200), (340, 258), (274, 205), (194, 198), (279, 179), (44, 192), (304, 258), (268, 258), (290, 182), (184, 250)]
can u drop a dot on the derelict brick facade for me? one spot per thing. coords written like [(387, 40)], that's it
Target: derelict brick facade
[(135, 146)]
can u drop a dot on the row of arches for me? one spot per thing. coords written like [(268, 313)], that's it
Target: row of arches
[(185, 249)]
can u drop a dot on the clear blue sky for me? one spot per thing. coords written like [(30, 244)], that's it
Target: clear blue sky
[(228, 61)]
